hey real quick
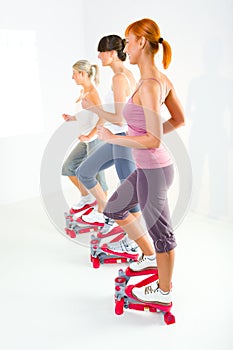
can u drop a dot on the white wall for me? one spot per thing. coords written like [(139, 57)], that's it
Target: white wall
[(58, 30), (200, 35)]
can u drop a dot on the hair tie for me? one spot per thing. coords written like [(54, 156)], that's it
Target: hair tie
[(123, 41), (160, 40)]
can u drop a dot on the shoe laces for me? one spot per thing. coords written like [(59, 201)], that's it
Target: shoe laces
[(141, 259), (150, 289), (109, 221)]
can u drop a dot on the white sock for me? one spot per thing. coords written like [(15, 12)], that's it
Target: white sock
[(150, 257), (162, 292), (89, 197)]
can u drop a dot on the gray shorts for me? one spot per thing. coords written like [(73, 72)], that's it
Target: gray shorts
[(148, 188), (78, 155)]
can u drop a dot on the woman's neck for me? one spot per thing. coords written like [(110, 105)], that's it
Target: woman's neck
[(87, 87), (117, 67), (147, 68)]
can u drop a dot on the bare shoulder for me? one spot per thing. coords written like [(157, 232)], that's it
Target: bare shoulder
[(167, 82), (119, 82), (126, 75), (124, 81), (93, 96), (118, 77), (149, 86)]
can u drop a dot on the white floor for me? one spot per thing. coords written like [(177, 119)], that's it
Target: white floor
[(52, 298)]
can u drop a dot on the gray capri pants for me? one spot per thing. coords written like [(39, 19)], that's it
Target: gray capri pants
[(78, 155), (103, 158), (148, 187)]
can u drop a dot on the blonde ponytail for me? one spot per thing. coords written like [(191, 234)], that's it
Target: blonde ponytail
[(96, 75)]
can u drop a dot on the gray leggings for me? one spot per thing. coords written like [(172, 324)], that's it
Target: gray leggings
[(103, 158), (148, 187), (81, 151)]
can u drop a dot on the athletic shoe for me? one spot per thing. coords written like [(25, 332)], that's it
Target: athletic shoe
[(84, 204), (104, 232), (109, 221), (124, 245), (152, 294), (143, 263), (94, 218), (77, 216)]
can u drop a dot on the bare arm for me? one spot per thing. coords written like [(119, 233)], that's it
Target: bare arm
[(68, 117), (119, 86), (92, 133), (149, 99), (176, 111)]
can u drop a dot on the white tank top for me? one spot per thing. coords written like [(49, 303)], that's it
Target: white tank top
[(109, 106), (86, 120)]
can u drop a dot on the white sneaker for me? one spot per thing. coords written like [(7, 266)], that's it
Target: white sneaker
[(143, 263), (108, 227), (85, 203), (124, 245), (152, 294), (94, 218), (110, 222)]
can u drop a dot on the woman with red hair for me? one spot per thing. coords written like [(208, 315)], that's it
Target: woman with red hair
[(149, 183)]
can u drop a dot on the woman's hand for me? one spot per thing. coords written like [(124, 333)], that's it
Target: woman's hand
[(84, 138), (68, 117), (104, 134)]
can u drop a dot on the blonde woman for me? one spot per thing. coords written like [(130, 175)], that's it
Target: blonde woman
[(83, 74)]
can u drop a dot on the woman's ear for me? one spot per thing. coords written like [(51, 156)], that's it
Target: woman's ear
[(142, 42), (113, 53), (83, 73)]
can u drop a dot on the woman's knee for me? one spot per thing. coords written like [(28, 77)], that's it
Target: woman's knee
[(67, 169), (115, 215), (84, 176), (79, 173), (114, 212)]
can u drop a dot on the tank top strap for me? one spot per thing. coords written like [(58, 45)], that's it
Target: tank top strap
[(129, 83), (137, 88)]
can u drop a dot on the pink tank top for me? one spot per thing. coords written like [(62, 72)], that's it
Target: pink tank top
[(149, 158)]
